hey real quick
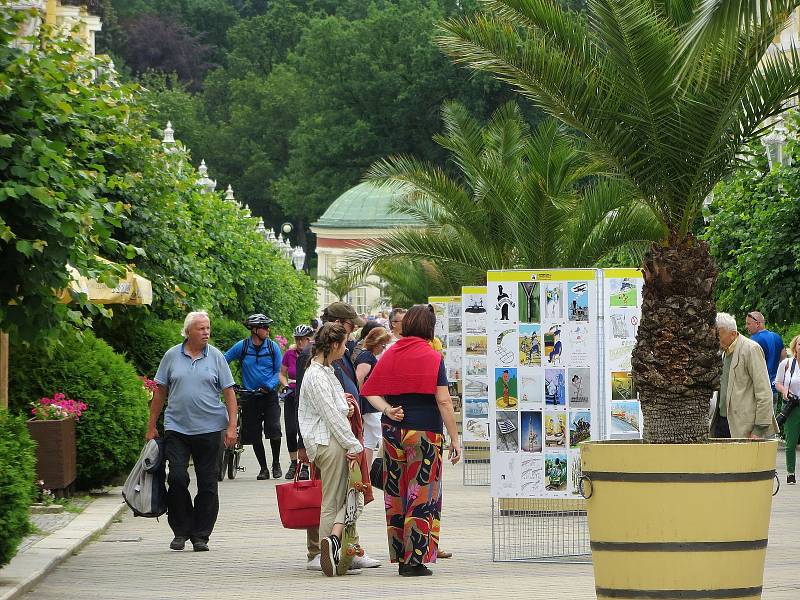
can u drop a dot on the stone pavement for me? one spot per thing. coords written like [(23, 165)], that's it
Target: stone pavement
[(252, 556)]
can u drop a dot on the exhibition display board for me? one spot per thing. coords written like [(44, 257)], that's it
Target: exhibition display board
[(475, 403), (542, 374), (448, 330), (622, 298)]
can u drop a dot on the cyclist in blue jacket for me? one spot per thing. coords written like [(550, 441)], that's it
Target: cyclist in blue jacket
[(260, 362)]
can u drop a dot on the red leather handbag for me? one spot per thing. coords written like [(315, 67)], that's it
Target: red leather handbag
[(299, 502)]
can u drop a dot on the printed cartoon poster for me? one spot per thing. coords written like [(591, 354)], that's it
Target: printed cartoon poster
[(575, 472), (531, 435), (529, 302), (542, 351), (506, 388), (531, 388), (625, 417), (530, 344), (504, 302)]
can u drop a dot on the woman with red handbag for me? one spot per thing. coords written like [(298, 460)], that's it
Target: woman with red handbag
[(323, 414)]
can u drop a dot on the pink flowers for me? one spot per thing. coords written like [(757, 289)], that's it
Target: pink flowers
[(282, 342), (57, 407), (149, 384)]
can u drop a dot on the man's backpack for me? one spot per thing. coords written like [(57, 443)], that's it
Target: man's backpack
[(145, 490)]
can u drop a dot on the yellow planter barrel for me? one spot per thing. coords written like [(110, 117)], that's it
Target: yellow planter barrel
[(684, 521)]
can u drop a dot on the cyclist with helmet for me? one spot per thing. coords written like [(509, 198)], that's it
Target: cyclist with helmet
[(288, 377), (260, 363)]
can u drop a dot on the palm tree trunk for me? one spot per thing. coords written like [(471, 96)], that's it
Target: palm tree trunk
[(676, 365)]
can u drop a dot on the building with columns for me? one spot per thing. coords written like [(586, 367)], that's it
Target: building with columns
[(355, 219), (64, 15)]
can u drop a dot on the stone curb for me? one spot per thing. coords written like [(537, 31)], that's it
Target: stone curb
[(27, 569)]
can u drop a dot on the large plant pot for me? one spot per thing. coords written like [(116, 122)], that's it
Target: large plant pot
[(679, 521), (55, 452)]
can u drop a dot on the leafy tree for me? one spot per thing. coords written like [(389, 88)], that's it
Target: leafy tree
[(521, 201), (161, 43), (754, 235), (667, 94), (408, 282), (59, 121)]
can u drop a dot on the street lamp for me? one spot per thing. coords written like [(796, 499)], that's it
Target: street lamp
[(775, 145), (287, 228), (298, 258)]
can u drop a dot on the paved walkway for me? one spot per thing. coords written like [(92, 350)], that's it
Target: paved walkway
[(252, 556)]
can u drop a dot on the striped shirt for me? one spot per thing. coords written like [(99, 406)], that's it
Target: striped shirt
[(322, 411)]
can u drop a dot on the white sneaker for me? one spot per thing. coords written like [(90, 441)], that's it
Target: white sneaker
[(314, 564), (364, 562)]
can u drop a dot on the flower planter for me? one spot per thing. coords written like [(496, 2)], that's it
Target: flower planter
[(55, 452), (679, 521)]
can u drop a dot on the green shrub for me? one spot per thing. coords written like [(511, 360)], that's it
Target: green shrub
[(788, 332), (141, 338), (225, 332), (111, 432), (17, 474)]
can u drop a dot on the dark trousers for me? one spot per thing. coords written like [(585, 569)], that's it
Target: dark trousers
[(193, 521), (290, 421), (721, 428)]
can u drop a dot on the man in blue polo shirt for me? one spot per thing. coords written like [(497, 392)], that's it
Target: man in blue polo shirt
[(193, 375), (260, 362), (772, 345)]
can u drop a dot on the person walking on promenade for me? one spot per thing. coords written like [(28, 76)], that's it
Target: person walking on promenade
[(787, 381), (343, 314), (288, 377), (260, 361), (396, 325), (374, 344), (192, 375), (329, 441), (744, 403), (771, 344), (411, 376)]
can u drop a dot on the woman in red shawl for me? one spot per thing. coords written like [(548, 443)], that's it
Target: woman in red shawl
[(412, 375)]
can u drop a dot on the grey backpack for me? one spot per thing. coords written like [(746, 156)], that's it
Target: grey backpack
[(145, 490)]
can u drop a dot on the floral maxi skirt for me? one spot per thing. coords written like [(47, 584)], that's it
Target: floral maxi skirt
[(412, 492)]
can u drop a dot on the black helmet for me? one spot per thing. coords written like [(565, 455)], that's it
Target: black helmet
[(257, 320), (302, 331)]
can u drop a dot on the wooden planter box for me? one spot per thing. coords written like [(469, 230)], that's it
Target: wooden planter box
[(55, 452)]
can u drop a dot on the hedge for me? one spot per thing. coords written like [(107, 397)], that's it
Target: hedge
[(111, 432), (17, 473)]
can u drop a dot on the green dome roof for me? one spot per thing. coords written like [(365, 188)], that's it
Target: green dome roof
[(365, 206)]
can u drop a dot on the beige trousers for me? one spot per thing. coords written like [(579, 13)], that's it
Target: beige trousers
[(331, 467)]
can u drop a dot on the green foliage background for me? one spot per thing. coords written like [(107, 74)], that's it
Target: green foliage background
[(111, 431), (16, 483), (754, 232)]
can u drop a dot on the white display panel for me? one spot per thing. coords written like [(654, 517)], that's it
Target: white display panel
[(622, 300), (542, 378), (475, 404), (448, 330)]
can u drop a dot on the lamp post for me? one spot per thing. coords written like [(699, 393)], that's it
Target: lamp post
[(775, 145), (298, 258)]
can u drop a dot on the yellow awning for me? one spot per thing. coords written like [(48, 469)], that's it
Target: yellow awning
[(133, 289)]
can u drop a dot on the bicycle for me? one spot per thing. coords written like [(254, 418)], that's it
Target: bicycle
[(230, 458)]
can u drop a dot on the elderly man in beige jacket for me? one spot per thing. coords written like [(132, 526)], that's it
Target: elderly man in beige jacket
[(744, 405)]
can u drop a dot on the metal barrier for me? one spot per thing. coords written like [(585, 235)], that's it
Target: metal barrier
[(477, 469), (546, 530)]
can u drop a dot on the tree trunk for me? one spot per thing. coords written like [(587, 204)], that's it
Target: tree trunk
[(676, 364)]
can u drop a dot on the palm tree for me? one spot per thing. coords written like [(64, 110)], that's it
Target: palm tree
[(667, 93), (521, 199), (407, 282), (341, 283)]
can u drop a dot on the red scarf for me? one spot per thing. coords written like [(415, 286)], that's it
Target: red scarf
[(410, 366)]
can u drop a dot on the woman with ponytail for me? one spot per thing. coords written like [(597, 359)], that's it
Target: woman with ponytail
[(331, 446)]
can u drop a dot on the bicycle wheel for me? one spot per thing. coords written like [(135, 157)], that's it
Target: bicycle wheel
[(233, 464)]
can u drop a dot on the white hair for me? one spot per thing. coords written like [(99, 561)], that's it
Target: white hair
[(191, 318), (726, 322)]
